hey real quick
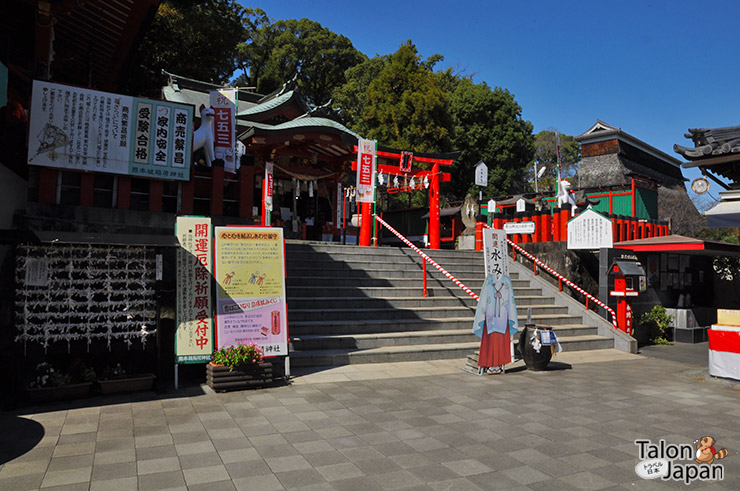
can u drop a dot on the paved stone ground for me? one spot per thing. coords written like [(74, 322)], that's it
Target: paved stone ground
[(399, 426)]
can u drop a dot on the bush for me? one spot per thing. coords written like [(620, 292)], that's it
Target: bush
[(240, 354), (656, 322)]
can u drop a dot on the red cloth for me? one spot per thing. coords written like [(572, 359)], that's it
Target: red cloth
[(724, 341), (495, 349)]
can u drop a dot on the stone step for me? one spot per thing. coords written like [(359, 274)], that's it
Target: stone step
[(406, 289), (380, 271), (367, 279), (405, 302), (541, 314), (370, 326), (464, 324), (376, 340), (386, 354)]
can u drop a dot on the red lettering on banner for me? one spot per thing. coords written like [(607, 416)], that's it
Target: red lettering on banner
[(201, 230), (201, 273), (200, 302), (201, 342), (366, 169), (201, 245), (223, 130)]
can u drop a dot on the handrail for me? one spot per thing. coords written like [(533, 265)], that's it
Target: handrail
[(426, 258), (562, 279)]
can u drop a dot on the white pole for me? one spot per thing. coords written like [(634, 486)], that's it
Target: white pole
[(176, 381)]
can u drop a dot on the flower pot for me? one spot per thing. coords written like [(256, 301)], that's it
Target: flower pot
[(220, 378), (136, 383), (534, 360), (61, 393)]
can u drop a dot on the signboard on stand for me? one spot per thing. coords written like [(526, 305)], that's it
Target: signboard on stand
[(250, 299), (519, 228), (194, 332), (88, 130), (495, 252), (590, 230)]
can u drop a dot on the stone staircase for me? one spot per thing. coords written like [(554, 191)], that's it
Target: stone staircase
[(348, 304)]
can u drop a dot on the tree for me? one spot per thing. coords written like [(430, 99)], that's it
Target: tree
[(405, 107), (193, 38), (545, 155), (277, 52), (488, 127)]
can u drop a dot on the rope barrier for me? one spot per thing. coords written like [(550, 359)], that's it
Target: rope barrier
[(560, 277), (427, 258)]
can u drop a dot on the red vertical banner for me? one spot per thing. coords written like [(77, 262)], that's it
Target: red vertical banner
[(223, 102), (365, 171)]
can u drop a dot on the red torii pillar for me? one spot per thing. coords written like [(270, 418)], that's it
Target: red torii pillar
[(434, 175)]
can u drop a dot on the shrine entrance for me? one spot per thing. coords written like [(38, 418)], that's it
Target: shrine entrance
[(398, 167)]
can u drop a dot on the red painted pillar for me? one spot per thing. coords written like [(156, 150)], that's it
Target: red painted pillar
[(124, 194), (366, 225), (217, 188), (47, 185), (546, 226), (564, 217), (479, 236), (516, 238), (87, 189), (556, 225), (434, 224), (246, 190), (155, 195), (537, 219), (498, 221), (526, 238)]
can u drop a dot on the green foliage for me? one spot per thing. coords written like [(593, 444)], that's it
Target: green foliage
[(399, 100), (193, 38), (405, 107), (656, 322), (276, 52), (240, 354), (114, 373), (48, 376), (545, 154), (488, 127)]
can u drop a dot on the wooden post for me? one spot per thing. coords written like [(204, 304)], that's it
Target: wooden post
[(434, 221), (48, 185), (87, 189), (124, 192), (155, 195), (217, 187), (246, 190)]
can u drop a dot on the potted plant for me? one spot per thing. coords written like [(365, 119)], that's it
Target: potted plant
[(115, 380), (238, 367), (51, 384), (656, 325)]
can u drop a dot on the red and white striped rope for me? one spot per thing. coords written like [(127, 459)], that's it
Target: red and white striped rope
[(566, 280), (427, 258)]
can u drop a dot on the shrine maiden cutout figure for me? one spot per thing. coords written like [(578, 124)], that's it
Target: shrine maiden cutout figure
[(495, 323)]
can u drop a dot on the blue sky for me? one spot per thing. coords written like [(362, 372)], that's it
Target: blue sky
[(652, 68)]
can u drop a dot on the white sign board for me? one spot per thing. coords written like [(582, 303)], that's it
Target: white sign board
[(223, 103), (519, 228), (590, 230), (88, 130), (495, 252), (481, 174), (521, 205)]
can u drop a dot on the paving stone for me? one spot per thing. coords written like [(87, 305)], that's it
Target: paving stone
[(335, 472), (203, 475), (120, 484), (162, 480)]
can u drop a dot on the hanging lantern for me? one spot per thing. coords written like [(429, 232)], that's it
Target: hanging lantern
[(426, 182)]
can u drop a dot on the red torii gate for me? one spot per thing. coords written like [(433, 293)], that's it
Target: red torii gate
[(434, 179)]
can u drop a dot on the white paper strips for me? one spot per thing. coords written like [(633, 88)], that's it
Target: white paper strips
[(91, 293)]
